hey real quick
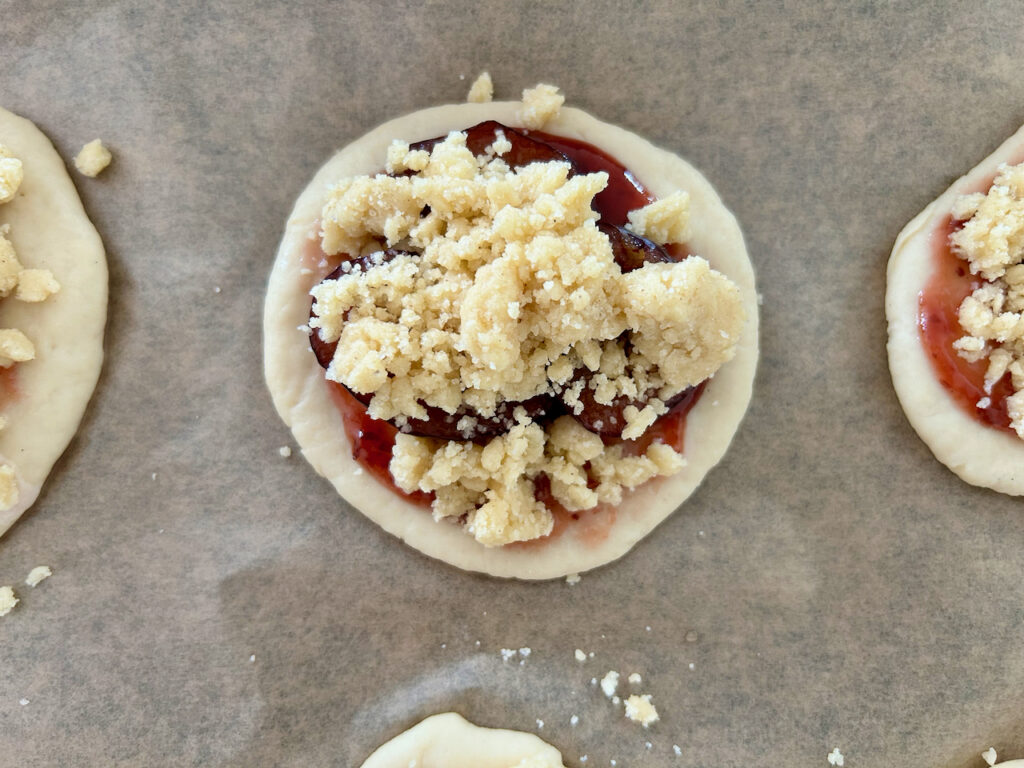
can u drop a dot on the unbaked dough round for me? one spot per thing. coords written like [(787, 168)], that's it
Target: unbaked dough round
[(450, 741), (979, 454), (301, 397), (50, 230)]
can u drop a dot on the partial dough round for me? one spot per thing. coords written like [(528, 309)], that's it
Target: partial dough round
[(50, 230), (450, 741), (297, 386), (979, 454)]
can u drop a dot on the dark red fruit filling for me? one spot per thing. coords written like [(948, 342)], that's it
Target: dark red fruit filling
[(939, 325), (524, 149)]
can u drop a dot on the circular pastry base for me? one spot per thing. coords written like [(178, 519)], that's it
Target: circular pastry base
[(450, 741), (979, 454), (297, 386), (50, 230)]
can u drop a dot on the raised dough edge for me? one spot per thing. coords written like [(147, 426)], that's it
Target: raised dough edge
[(50, 230), (450, 741), (978, 454), (296, 381)]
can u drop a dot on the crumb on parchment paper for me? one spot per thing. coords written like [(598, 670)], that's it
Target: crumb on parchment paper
[(7, 600), (639, 709), (482, 89), (93, 158), (37, 574), (609, 683)]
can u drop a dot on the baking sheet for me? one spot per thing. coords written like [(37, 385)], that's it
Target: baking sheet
[(214, 603)]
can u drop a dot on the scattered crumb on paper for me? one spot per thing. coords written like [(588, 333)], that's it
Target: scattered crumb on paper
[(7, 600), (37, 574), (93, 158)]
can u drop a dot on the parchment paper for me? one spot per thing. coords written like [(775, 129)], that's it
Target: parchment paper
[(214, 603)]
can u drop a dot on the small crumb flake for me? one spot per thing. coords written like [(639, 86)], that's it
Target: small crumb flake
[(7, 600), (609, 683), (482, 89), (93, 158), (524, 652), (663, 221), (23, 702), (580, 655), (37, 574), (572, 579), (36, 285), (640, 710), (540, 723), (583, 758), (835, 757), (677, 750), (989, 756), (285, 451), (15, 347), (574, 721), (635, 679), (11, 175), (508, 653), (252, 658), (540, 104)]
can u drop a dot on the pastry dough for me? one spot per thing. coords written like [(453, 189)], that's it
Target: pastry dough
[(450, 741), (979, 454), (50, 230), (301, 397)]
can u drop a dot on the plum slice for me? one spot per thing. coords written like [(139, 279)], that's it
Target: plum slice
[(324, 350), (443, 425), (632, 251), (609, 420), (525, 150)]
